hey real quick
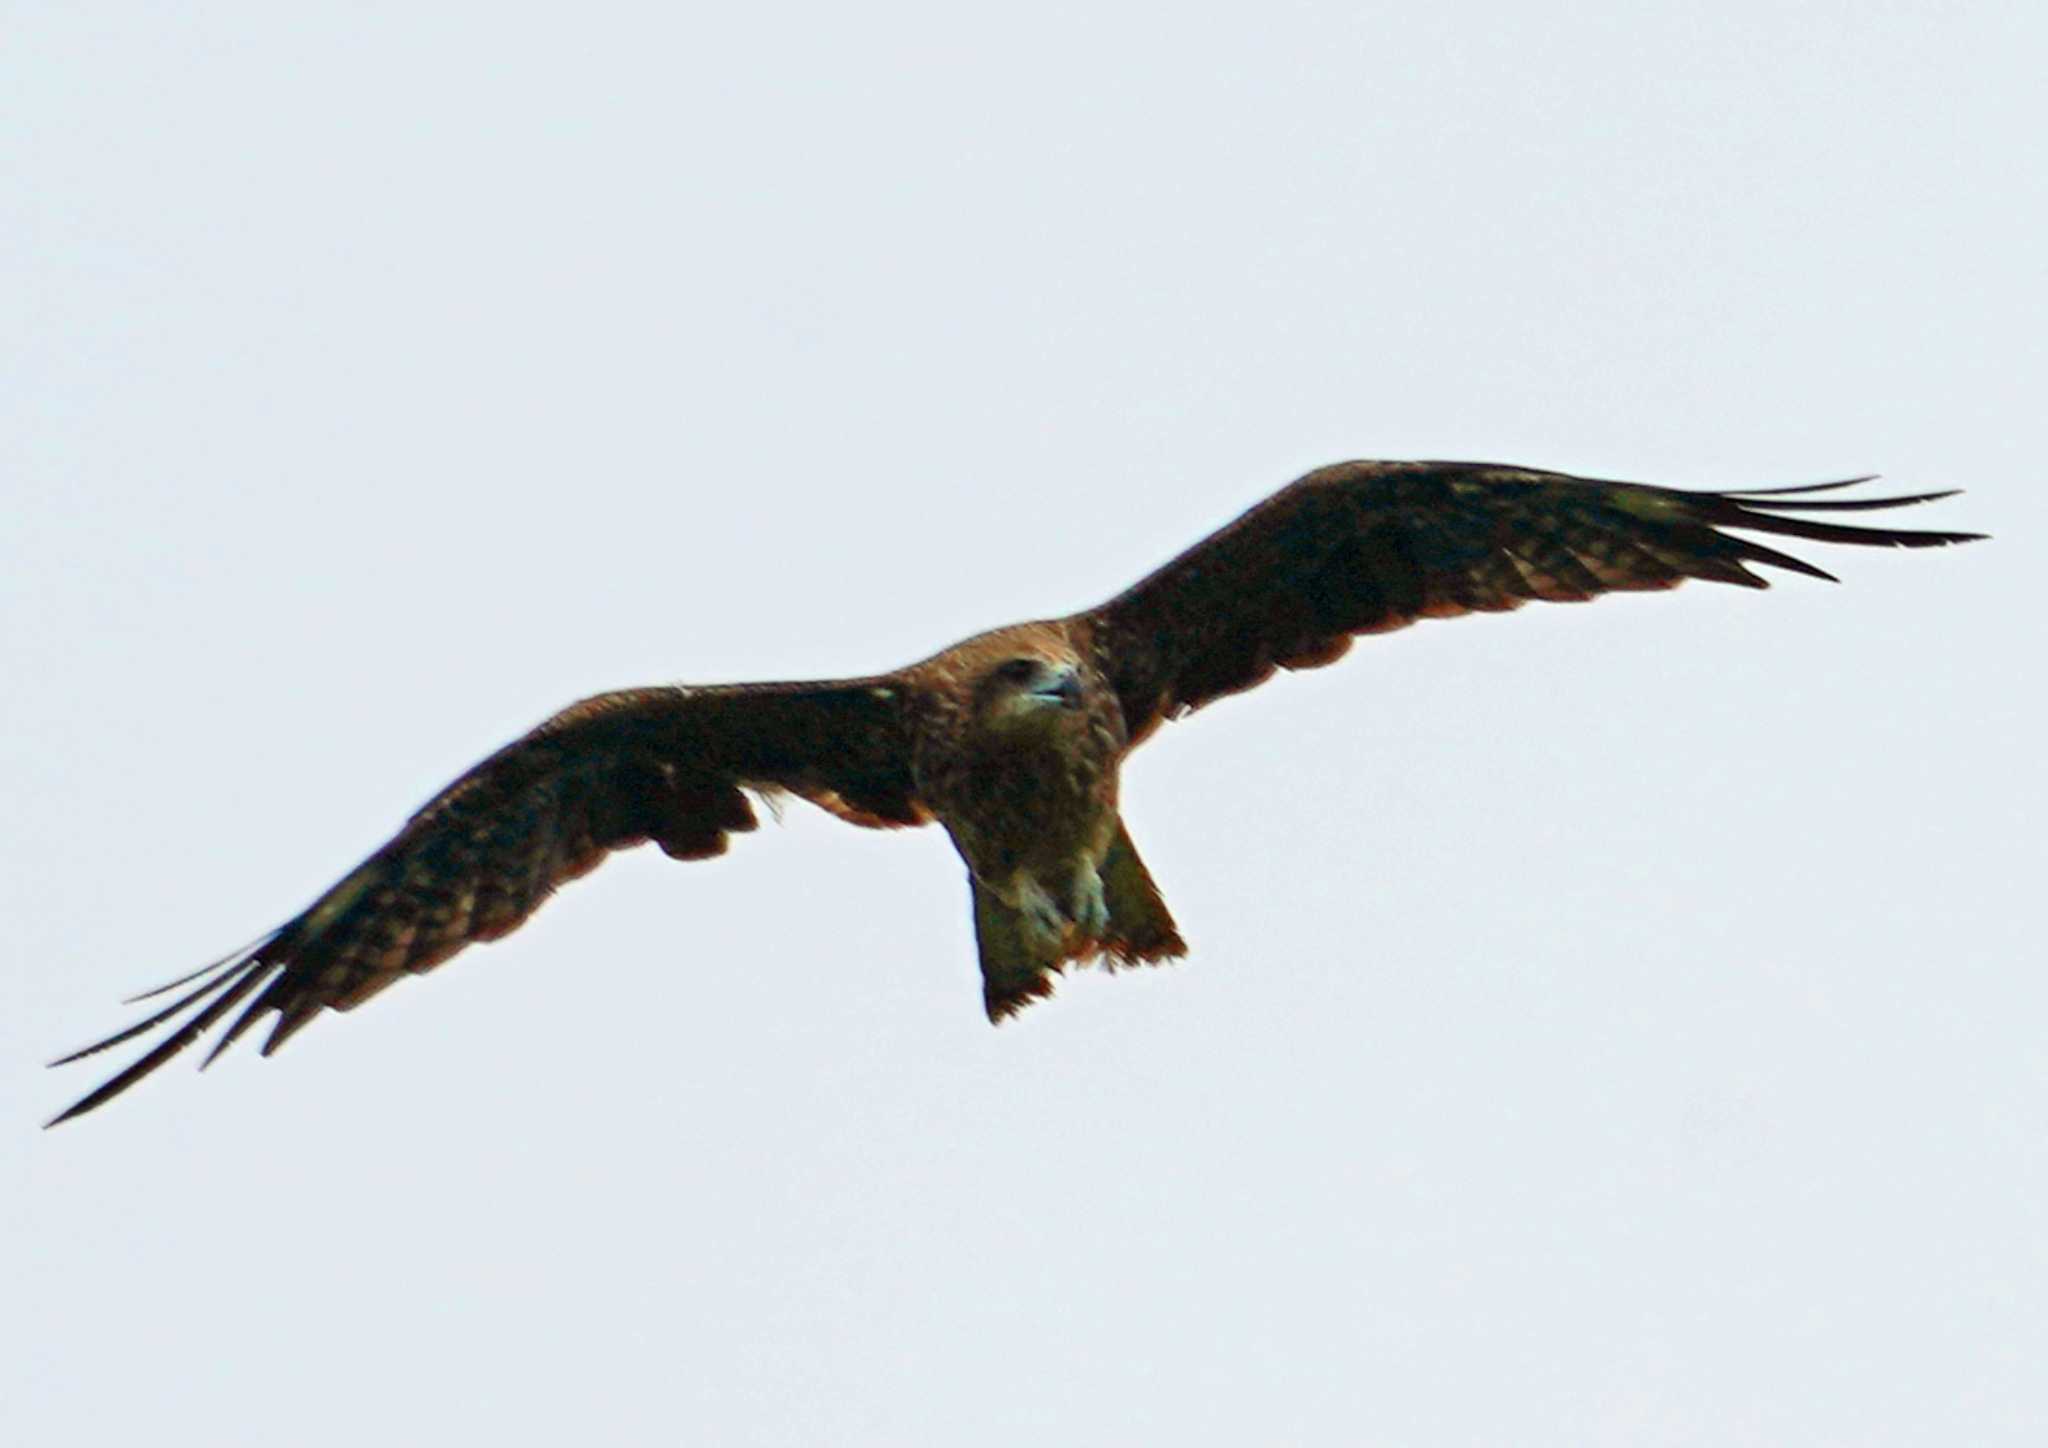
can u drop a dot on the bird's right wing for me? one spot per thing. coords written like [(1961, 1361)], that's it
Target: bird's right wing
[(667, 765)]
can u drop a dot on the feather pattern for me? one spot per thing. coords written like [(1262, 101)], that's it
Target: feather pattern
[(1367, 547), (663, 765)]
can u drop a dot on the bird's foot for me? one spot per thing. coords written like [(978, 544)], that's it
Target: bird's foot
[(1091, 909), (1042, 914), (1059, 926)]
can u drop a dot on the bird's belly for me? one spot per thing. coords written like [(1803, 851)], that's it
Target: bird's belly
[(1038, 823)]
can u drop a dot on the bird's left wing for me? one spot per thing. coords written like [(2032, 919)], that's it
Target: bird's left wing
[(666, 765), (1367, 547)]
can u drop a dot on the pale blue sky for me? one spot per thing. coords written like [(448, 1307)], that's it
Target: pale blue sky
[(1605, 1025)]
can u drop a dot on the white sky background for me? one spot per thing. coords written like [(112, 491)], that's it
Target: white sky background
[(1617, 1024)]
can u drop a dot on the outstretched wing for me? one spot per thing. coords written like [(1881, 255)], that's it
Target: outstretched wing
[(666, 765), (1368, 547)]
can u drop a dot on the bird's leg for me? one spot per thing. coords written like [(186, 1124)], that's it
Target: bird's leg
[(1091, 910), (1084, 913), (1042, 914)]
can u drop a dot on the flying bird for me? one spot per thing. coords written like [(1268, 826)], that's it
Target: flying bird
[(1012, 740)]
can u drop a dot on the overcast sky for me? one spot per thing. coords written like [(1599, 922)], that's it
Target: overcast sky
[(1605, 1025)]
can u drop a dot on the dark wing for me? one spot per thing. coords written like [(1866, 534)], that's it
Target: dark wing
[(666, 765), (1367, 547)]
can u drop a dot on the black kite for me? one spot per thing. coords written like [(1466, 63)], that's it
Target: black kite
[(1012, 739)]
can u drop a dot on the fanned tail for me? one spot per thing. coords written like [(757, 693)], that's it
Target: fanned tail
[(1018, 965), (1141, 929)]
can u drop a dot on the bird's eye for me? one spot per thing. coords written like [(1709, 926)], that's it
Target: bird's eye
[(1018, 671)]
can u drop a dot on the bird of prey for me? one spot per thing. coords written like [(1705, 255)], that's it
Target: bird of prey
[(1012, 740)]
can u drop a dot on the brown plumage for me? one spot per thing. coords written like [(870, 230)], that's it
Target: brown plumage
[(1012, 739)]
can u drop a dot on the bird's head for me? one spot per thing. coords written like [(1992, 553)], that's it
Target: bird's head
[(1026, 692)]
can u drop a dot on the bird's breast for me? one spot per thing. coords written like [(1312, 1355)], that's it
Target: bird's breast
[(1026, 807)]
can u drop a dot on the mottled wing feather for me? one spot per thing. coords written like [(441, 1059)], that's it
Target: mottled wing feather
[(665, 765), (1368, 547)]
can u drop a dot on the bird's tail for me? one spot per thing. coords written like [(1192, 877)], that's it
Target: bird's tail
[(1141, 929), (1018, 963)]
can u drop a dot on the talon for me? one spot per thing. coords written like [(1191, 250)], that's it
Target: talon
[(1042, 913), (1091, 909)]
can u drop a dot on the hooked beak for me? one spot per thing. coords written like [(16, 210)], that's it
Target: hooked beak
[(1063, 688)]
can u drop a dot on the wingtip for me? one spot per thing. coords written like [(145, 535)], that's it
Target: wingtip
[(76, 1108), (225, 962), (91, 1101), (1804, 487), (1779, 504), (228, 991)]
